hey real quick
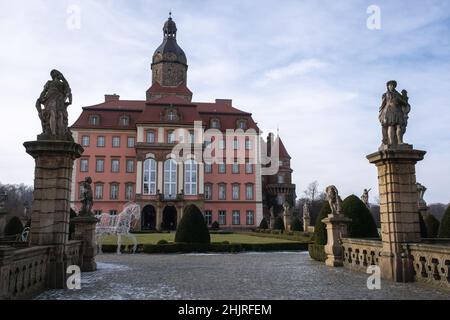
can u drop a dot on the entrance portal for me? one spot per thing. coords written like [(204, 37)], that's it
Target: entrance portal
[(148, 218), (169, 218)]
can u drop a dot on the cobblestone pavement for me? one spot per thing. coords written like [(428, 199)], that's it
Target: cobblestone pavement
[(259, 276)]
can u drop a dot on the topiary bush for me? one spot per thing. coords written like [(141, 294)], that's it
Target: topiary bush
[(362, 225), (162, 242), (215, 226), (13, 227), (278, 224), (432, 226), (192, 227), (317, 252), (444, 230), (296, 224), (264, 225), (320, 229), (423, 227)]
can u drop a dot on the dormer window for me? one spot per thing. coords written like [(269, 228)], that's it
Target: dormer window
[(242, 124), (171, 116), (124, 121), (94, 120), (215, 124)]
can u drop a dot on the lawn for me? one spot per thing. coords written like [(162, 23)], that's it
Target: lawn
[(153, 238)]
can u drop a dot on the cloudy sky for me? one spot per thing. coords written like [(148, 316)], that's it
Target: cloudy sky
[(311, 68)]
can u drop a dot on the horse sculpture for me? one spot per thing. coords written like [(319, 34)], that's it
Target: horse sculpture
[(118, 225)]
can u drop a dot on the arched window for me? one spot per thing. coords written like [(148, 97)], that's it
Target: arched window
[(150, 176), (170, 179), (190, 177)]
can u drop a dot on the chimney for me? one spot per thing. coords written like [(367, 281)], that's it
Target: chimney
[(111, 97), (228, 102), (269, 144)]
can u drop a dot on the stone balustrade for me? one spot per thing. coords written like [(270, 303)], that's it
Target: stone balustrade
[(361, 253), (431, 263)]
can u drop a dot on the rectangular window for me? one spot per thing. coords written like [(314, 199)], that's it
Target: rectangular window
[(191, 137), (249, 192), (100, 165), (115, 165), (235, 144), (222, 217), (190, 178), (248, 168), (208, 192), (250, 218), (208, 168), (170, 137), (130, 165), (101, 141), (129, 190), (130, 142), (235, 167), (85, 141), (208, 217), (114, 191), (97, 213), (98, 191), (236, 217), (84, 165), (236, 191), (113, 212), (150, 137), (116, 142), (222, 191), (248, 144), (280, 179), (94, 120), (222, 168)]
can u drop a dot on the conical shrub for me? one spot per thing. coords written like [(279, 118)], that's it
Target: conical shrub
[(192, 227)]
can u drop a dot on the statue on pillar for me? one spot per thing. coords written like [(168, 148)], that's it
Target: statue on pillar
[(306, 210), (393, 115), (334, 200), (365, 197), (87, 198), (55, 97), (421, 192)]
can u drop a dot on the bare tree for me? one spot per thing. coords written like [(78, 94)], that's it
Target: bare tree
[(312, 191)]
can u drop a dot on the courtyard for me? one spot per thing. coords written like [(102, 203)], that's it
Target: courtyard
[(257, 276)]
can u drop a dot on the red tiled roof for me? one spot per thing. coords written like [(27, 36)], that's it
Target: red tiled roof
[(214, 107), (152, 114), (126, 105), (282, 149), (181, 89)]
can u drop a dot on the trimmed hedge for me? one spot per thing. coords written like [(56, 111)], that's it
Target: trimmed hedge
[(320, 230), (204, 248), (296, 224), (215, 226), (362, 225), (13, 227), (264, 225), (279, 224), (317, 252), (192, 227), (444, 230), (432, 226)]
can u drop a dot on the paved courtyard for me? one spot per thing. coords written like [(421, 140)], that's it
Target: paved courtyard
[(281, 275)]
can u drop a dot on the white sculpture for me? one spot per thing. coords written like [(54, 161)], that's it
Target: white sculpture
[(119, 225), (306, 210)]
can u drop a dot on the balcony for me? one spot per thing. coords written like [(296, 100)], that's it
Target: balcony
[(170, 197)]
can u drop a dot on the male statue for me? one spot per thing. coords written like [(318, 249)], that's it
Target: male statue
[(393, 115), (55, 97), (87, 198), (365, 197)]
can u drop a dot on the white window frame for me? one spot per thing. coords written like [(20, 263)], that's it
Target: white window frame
[(170, 178), (85, 141), (249, 195), (250, 213), (190, 177), (208, 191), (103, 140), (98, 194), (114, 140), (128, 193), (84, 165), (149, 134), (150, 176), (114, 168), (97, 161), (114, 195), (236, 214), (236, 191)]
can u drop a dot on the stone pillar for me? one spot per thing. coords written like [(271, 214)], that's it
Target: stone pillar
[(6, 259), (337, 228), (287, 218), (306, 221), (398, 208), (158, 217), (272, 222), (51, 205), (85, 231)]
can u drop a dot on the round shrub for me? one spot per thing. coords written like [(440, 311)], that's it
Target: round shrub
[(423, 227), (192, 227), (444, 230), (432, 226), (215, 226), (278, 224), (225, 242), (296, 224), (163, 242), (264, 225), (13, 227), (362, 225), (320, 229)]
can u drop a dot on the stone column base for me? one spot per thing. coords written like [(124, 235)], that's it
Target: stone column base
[(306, 222), (85, 231), (337, 227)]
